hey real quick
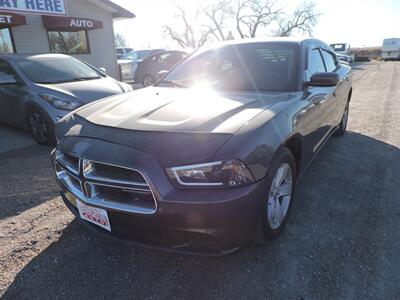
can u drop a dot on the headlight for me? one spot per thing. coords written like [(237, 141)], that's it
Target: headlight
[(60, 103), (230, 173)]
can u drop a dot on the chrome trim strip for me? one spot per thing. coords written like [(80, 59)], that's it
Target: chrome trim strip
[(60, 158), (117, 186), (95, 177)]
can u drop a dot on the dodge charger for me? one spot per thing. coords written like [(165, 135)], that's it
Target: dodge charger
[(207, 159)]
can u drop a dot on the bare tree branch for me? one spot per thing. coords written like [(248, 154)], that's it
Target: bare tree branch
[(187, 37), (250, 17), (217, 14), (303, 20), (253, 15)]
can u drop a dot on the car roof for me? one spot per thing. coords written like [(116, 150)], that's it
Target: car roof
[(19, 57), (294, 40)]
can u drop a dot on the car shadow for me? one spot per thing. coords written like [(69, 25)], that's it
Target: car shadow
[(342, 234), (26, 179)]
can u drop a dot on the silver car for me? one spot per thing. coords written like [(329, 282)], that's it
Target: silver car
[(38, 90)]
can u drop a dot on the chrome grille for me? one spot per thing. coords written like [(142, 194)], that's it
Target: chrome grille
[(105, 185)]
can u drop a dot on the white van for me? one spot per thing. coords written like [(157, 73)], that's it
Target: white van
[(391, 49)]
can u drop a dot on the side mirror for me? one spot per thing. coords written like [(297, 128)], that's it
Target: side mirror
[(7, 79), (324, 79), (162, 73), (104, 70)]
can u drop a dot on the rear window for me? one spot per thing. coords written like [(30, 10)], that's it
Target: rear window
[(269, 66)]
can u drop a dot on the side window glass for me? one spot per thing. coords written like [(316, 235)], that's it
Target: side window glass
[(330, 61), (315, 64), (7, 73)]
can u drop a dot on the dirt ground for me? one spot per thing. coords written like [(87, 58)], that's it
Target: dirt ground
[(343, 240)]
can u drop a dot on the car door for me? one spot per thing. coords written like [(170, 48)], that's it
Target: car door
[(340, 93), (11, 95), (315, 128), (337, 102)]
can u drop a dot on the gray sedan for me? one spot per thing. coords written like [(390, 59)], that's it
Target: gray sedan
[(38, 90)]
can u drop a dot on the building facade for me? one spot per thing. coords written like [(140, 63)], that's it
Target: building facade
[(81, 28)]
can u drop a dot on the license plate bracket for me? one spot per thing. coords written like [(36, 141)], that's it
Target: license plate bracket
[(94, 215)]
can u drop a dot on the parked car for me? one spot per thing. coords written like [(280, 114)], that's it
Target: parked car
[(391, 49), (145, 67), (148, 70), (129, 63), (210, 154), (343, 50), (121, 52), (38, 90), (344, 57)]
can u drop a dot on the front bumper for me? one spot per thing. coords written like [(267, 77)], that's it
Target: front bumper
[(196, 221)]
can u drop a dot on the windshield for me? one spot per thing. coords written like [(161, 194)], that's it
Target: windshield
[(57, 70), (137, 55), (269, 66)]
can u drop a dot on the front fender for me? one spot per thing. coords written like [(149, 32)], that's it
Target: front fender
[(257, 142)]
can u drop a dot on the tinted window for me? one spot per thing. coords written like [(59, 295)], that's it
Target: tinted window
[(57, 69), (69, 42), (247, 67), (329, 61), (6, 69), (169, 58), (315, 62)]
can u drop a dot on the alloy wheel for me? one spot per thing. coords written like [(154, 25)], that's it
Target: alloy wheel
[(280, 196), (148, 81), (39, 127)]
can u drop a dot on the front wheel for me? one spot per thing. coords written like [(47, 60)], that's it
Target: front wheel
[(280, 192), (148, 80), (41, 128), (341, 130)]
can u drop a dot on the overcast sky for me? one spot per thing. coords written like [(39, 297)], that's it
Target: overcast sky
[(357, 22)]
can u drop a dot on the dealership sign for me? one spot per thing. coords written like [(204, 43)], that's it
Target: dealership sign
[(11, 20), (42, 7), (66, 23)]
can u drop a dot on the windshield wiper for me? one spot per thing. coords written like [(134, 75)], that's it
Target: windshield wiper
[(175, 83), (86, 78), (68, 80)]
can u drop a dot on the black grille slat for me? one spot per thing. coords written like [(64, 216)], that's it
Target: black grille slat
[(117, 173), (124, 195)]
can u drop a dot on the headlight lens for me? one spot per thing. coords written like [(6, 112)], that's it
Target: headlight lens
[(61, 103), (230, 173)]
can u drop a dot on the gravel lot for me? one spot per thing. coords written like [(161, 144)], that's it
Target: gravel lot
[(343, 240)]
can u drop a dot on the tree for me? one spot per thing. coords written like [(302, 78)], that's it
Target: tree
[(250, 18), (217, 14), (252, 15), (303, 20), (187, 38), (120, 41)]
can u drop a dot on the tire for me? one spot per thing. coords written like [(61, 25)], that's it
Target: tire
[(41, 127), (276, 208), (148, 80), (341, 130)]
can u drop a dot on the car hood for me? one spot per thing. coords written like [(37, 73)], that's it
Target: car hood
[(87, 91), (166, 121), (180, 110)]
